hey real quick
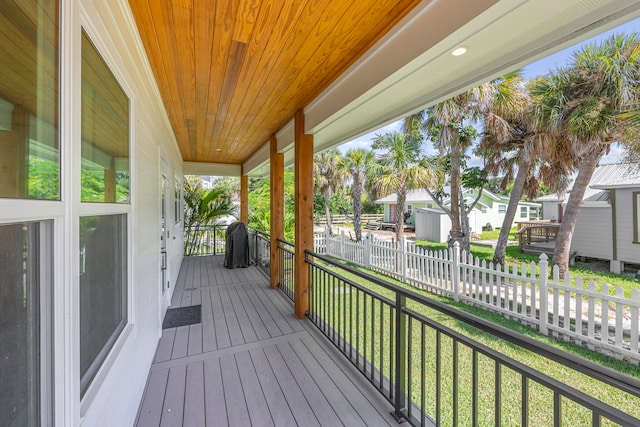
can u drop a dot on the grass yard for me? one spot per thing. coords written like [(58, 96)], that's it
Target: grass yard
[(355, 315)]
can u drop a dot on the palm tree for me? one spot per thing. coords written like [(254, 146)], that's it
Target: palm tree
[(326, 177), (400, 169), (449, 125), (356, 163), (590, 104), (202, 208), (509, 144)]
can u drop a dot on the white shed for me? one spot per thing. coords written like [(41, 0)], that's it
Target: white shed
[(432, 224)]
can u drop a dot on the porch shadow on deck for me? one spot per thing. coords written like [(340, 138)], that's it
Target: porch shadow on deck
[(250, 361)]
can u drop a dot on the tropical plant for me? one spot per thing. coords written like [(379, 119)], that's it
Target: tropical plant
[(472, 179), (400, 169), (591, 104), (260, 204), (510, 143), (326, 177), (449, 124), (357, 163), (201, 209)]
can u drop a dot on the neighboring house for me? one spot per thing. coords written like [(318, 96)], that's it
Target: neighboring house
[(608, 224), (415, 199), (432, 223)]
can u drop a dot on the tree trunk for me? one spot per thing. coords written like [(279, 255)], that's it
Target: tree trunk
[(357, 207), (512, 207), (327, 212), (465, 242), (402, 196), (456, 225), (570, 217)]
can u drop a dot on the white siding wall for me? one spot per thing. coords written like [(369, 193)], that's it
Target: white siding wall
[(113, 397), (550, 210), (593, 233), (432, 226), (627, 250)]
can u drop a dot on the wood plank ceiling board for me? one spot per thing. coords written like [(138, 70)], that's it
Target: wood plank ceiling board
[(233, 72), (21, 50)]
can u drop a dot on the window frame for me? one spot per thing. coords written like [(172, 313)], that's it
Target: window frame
[(502, 208), (93, 209), (524, 210)]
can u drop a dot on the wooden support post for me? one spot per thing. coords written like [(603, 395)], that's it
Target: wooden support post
[(244, 198), (277, 207), (303, 157), (14, 158), (110, 184)]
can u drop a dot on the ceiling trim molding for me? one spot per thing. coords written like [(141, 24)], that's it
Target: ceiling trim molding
[(211, 169)]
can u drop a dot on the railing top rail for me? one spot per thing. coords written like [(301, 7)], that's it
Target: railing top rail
[(591, 369), (210, 226), (285, 242), (260, 232), (541, 226)]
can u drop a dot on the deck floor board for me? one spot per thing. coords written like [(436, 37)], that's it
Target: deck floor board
[(250, 361)]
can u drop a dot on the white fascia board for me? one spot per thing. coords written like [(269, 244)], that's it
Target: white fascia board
[(257, 159), (411, 68), (535, 29), (615, 186), (211, 169)]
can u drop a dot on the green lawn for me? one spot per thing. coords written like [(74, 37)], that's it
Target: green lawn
[(346, 313)]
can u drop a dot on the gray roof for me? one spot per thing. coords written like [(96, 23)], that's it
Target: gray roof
[(605, 177), (421, 196), (413, 196), (616, 175)]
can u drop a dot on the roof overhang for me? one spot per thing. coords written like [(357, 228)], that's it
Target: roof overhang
[(405, 71)]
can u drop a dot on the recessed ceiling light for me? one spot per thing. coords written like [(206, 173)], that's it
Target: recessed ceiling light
[(460, 50), (218, 149)]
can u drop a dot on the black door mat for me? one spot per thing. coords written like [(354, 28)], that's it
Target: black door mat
[(182, 316)]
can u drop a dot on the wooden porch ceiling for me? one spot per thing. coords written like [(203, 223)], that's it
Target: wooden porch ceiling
[(231, 73)]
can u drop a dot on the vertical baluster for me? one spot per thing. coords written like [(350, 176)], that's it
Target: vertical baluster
[(474, 388), (497, 394), (524, 422), (423, 368), (438, 379), (455, 382)]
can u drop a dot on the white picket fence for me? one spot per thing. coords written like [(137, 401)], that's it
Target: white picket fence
[(560, 306)]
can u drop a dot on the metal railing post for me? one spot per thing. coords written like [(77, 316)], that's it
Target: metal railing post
[(215, 240), (400, 377)]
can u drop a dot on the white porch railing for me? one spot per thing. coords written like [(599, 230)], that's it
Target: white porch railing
[(556, 305)]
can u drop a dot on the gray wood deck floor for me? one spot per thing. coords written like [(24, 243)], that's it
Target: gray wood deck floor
[(250, 361)]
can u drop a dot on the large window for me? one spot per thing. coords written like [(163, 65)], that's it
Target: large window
[(105, 131), (103, 289), (25, 322), (29, 150)]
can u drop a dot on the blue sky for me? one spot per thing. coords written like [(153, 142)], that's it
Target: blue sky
[(535, 69)]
